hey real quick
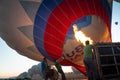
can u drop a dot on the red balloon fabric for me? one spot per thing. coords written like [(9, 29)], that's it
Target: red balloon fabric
[(53, 31)]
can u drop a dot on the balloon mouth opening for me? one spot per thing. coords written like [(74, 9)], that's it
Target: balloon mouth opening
[(80, 36), (80, 32)]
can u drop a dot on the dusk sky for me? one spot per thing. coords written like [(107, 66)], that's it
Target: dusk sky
[(12, 63)]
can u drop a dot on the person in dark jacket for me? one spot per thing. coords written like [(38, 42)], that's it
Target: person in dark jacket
[(44, 68)]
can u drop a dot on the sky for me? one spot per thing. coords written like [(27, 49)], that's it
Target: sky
[(115, 18), (12, 63)]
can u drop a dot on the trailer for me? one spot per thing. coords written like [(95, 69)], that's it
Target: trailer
[(107, 59)]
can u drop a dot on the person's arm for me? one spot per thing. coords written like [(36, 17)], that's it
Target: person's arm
[(60, 59)]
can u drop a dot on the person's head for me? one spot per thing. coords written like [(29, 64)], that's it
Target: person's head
[(44, 59), (87, 42)]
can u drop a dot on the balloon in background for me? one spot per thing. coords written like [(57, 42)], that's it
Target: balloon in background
[(16, 26), (54, 34)]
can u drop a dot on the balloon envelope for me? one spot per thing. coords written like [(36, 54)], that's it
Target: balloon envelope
[(16, 26), (53, 31)]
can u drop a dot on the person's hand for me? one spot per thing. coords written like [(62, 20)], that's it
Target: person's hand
[(60, 59)]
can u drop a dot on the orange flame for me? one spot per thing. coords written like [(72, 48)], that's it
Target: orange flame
[(80, 36)]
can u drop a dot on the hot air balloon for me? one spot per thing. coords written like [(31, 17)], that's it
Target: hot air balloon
[(57, 22), (37, 28), (16, 26)]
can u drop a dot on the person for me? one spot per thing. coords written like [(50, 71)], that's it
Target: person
[(89, 62), (59, 68), (44, 67)]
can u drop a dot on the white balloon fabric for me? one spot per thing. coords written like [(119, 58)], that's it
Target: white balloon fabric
[(16, 26)]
